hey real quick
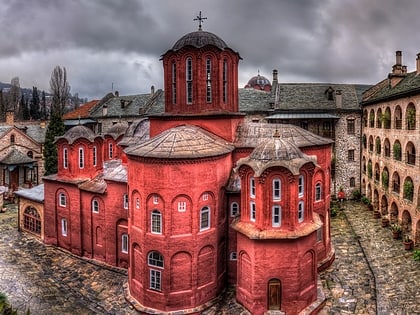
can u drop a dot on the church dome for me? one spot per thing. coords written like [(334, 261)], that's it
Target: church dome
[(276, 149), (259, 82), (117, 129), (78, 132), (200, 39)]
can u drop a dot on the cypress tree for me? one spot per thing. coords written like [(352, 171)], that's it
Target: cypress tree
[(55, 129)]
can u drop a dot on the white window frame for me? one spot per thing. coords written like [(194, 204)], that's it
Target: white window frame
[(276, 189), (156, 222), (155, 280), (205, 222), (318, 191), (64, 227), (65, 158), (209, 96), (124, 243), (155, 259), (301, 211), (252, 211), (233, 256), (155, 199), (62, 200), (205, 196), (234, 209), (137, 203), (95, 206), (276, 216), (301, 185), (182, 206), (81, 158), (125, 201), (252, 187)]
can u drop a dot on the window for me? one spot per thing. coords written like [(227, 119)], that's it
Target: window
[(155, 259), (301, 212), (253, 211), (205, 196), (64, 227), (12, 139), (319, 235), (350, 126), (225, 83), (125, 202), (182, 206), (301, 185), (155, 280), (65, 158), (95, 206), (62, 200), (276, 216), (137, 203), (156, 222), (81, 158), (94, 156), (352, 182), (110, 150), (155, 199), (204, 218), (233, 256), (208, 80), (173, 82), (350, 155), (252, 187), (276, 189), (318, 192), (234, 209), (124, 243), (189, 81), (30, 154)]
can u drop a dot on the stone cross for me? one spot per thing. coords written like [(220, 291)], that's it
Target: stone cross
[(200, 19)]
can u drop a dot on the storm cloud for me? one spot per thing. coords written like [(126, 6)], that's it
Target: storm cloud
[(107, 44)]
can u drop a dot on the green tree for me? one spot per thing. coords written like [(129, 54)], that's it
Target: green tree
[(34, 106), (55, 129), (44, 114)]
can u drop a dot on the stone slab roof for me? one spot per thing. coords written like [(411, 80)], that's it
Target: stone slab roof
[(16, 157), (35, 193), (114, 170)]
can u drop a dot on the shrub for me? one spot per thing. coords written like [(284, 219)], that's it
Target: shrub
[(416, 255)]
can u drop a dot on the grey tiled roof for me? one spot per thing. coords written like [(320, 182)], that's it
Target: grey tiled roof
[(16, 157), (35, 193), (383, 90), (137, 132), (199, 39), (78, 132), (114, 170)]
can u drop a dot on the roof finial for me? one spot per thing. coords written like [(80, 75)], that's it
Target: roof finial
[(200, 19)]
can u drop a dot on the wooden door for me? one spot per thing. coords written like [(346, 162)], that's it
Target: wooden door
[(274, 294)]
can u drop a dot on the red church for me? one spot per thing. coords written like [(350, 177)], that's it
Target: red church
[(207, 201)]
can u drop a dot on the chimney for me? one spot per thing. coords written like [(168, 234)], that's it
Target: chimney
[(10, 118), (338, 99), (398, 57), (152, 90), (275, 78), (418, 64), (398, 70), (104, 110)]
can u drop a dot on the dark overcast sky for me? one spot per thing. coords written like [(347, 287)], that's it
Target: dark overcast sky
[(119, 42)]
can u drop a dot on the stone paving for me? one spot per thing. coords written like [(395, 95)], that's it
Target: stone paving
[(372, 274)]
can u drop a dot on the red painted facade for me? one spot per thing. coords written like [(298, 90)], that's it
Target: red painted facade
[(177, 209)]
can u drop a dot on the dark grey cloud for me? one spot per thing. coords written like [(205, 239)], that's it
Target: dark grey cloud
[(108, 43)]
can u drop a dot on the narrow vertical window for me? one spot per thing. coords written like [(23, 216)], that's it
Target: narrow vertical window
[(95, 206), (234, 209), (137, 203), (318, 192), (208, 80), (124, 243), (155, 280), (156, 222), (276, 216), (173, 82), (155, 199), (205, 218), (65, 158), (81, 158), (233, 256), (94, 156), (125, 201), (276, 189), (225, 83), (252, 211), (64, 227), (189, 81), (62, 198), (252, 187), (155, 259), (301, 212), (110, 150), (301, 185)]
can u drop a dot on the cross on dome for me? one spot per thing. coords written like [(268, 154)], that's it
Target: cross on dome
[(200, 19)]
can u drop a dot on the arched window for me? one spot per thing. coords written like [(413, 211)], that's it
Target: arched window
[(124, 243), (208, 81), (205, 218), (125, 201), (252, 211), (411, 117), (81, 158), (318, 192), (155, 260), (396, 150), (65, 158), (234, 209), (64, 227), (276, 189), (387, 148), (137, 203), (12, 139), (233, 256), (174, 82), (411, 153), (94, 156), (62, 200), (378, 145), (95, 206), (252, 187), (276, 216), (352, 182), (408, 190), (32, 220), (189, 80), (396, 183), (156, 224), (225, 82), (301, 211), (30, 154), (301, 186)]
